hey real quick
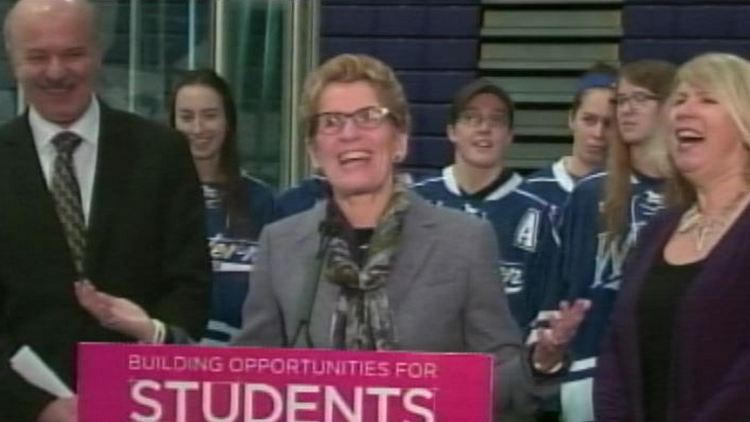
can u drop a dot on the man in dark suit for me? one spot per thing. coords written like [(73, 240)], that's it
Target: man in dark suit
[(91, 197)]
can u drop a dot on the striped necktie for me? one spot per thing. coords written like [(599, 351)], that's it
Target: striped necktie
[(67, 195)]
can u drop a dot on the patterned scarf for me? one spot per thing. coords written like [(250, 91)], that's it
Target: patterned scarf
[(362, 319)]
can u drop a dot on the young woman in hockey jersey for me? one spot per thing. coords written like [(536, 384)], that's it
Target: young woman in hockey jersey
[(603, 217), (678, 349), (591, 122), (237, 206)]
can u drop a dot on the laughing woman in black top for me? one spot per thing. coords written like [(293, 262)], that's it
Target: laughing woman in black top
[(679, 349)]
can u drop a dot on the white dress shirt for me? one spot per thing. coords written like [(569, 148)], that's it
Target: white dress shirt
[(84, 157)]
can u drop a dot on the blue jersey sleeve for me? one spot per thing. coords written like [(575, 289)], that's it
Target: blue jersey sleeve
[(301, 197)]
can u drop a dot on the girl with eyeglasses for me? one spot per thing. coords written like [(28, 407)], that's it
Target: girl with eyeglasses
[(603, 217)]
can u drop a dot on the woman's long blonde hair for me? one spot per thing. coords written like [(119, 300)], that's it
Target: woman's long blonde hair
[(656, 76), (727, 77)]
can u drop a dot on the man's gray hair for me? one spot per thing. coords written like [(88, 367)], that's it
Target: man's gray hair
[(89, 7)]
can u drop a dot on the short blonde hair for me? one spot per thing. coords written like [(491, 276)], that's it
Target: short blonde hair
[(346, 68), (727, 77)]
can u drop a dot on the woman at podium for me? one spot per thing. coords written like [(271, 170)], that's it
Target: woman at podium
[(374, 267)]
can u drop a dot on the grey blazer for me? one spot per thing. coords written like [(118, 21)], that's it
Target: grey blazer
[(444, 292)]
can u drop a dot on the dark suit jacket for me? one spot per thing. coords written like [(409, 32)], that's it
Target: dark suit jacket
[(444, 292), (711, 344), (146, 242)]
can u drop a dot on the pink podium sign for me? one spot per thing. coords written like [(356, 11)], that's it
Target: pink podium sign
[(142, 383)]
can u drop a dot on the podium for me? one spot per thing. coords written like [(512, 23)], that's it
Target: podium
[(164, 383)]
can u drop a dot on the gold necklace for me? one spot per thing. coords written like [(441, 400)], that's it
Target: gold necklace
[(707, 227)]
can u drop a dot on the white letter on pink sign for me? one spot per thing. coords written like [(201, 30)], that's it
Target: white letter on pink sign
[(181, 388), (295, 404), (416, 409), (137, 394), (208, 403), (334, 399), (383, 393), (276, 403)]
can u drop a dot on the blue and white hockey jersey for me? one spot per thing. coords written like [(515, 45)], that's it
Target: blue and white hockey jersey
[(520, 220), (591, 268), (302, 196), (553, 184), (232, 257)]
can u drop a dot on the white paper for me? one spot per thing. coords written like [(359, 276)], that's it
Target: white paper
[(33, 369)]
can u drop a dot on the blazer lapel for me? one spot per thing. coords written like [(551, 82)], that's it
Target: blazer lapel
[(651, 245), (417, 241), (114, 163), (35, 208), (307, 268), (31, 186)]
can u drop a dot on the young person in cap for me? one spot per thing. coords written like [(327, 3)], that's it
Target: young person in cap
[(481, 128)]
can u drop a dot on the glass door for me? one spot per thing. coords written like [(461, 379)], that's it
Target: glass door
[(263, 47)]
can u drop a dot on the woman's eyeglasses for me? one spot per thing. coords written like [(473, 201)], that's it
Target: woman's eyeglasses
[(475, 119), (332, 122), (636, 99)]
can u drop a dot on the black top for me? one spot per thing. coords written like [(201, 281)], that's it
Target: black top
[(358, 239), (359, 243), (658, 304)]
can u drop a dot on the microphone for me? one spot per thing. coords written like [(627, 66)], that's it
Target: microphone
[(327, 230)]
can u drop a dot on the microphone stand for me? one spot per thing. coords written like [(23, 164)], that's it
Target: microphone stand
[(327, 231)]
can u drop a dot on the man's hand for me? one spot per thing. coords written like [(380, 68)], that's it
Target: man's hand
[(552, 342), (116, 313), (60, 410)]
